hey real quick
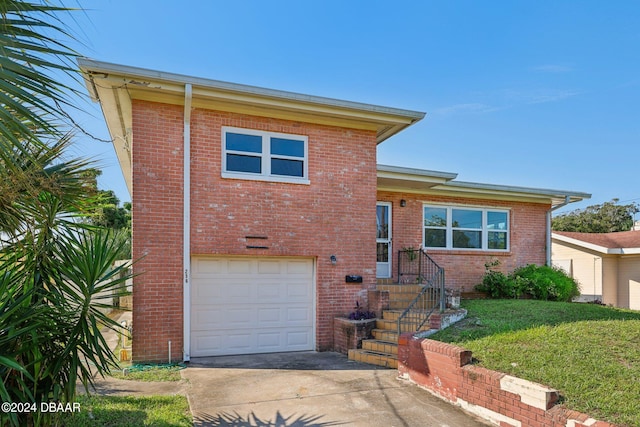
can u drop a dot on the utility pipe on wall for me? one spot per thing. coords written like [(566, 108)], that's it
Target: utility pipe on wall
[(186, 228)]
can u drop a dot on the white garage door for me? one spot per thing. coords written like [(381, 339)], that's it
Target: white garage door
[(251, 305)]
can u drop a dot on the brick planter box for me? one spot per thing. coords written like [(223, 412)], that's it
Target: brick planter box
[(348, 334)]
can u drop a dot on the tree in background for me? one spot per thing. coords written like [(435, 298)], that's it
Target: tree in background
[(104, 211), (605, 218), (55, 270)]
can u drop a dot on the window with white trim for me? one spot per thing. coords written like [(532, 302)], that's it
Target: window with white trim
[(267, 156), (448, 227)]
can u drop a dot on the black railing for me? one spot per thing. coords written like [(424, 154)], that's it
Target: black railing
[(418, 268)]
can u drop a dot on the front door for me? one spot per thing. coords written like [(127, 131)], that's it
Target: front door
[(383, 240)]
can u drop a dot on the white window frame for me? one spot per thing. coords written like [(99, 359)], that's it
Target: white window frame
[(265, 157), (449, 229)]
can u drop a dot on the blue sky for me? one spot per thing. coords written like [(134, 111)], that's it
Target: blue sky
[(532, 93)]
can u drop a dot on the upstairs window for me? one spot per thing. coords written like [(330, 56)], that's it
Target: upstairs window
[(466, 228), (266, 156)]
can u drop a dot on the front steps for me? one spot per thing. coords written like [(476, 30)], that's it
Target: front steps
[(382, 350)]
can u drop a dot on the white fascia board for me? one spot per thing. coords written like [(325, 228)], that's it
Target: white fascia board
[(555, 196), (628, 251), (390, 120), (398, 170)]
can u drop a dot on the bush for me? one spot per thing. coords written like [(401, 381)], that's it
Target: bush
[(537, 282), (546, 283)]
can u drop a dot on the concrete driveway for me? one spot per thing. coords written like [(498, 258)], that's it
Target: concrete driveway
[(310, 389)]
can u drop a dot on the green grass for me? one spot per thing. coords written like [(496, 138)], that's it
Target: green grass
[(589, 353), (149, 373), (130, 411)]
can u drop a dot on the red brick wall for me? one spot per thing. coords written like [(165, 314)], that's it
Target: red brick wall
[(446, 371), (464, 269), (157, 231), (334, 214)]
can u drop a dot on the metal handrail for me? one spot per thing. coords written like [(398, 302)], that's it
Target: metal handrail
[(416, 264)]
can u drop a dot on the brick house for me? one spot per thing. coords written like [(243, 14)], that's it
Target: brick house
[(247, 248)]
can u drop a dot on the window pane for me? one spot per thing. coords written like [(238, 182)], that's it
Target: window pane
[(435, 238), (287, 147), (467, 239), (287, 167), (462, 218), (497, 220), (383, 252), (435, 217), (240, 142), (497, 240), (382, 219), (238, 163)]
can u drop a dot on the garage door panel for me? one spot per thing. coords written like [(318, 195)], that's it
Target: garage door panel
[(269, 267), (299, 339), (210, 266), (298, 314), (270, 290), (300, 267), (270, 317), (253, 342), (298, 290), (237, 266), (252, 305), (236, 290), (206, 344)]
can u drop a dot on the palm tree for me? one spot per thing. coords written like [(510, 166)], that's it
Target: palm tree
[(53, 267)]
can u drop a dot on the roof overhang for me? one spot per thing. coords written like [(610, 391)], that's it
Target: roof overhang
[(394, 178), (397, 179), (115, 86), (594, 247)]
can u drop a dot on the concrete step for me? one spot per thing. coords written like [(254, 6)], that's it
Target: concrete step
[(391, 314), (380, 346), (396, 288), (385, 335), (391, 325), (374, 358)]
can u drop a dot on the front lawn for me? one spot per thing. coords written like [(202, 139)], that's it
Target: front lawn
[(588, 352), (130, 411)]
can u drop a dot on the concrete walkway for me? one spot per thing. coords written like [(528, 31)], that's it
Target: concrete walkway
[(310, 389)]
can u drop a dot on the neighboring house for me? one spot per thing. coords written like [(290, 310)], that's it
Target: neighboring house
[(607, 265), (251, 206)]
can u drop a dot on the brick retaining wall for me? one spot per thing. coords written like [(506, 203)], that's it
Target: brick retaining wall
[(446, 371)]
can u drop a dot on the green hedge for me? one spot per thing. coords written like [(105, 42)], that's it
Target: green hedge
[(531, 281)]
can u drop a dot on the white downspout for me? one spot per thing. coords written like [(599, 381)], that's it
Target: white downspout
[(186, 255), (567, 200)]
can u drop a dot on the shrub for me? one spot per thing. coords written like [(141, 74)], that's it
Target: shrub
[(537, 282), (496, 283), (546, 283)]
